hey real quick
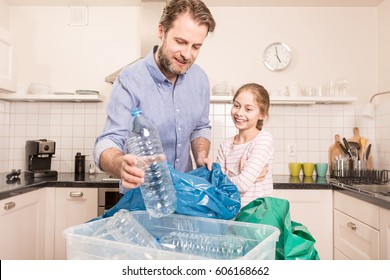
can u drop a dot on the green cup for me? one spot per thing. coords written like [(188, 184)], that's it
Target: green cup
[(295, 168), (321, 169), (308, 168)]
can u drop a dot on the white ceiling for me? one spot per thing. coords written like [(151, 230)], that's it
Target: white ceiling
[(286, 3)]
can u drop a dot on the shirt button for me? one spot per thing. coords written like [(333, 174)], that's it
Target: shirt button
[(179, 128), (179, 145), (177, 160), (177, 110)]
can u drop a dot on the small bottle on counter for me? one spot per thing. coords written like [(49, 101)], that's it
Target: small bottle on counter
[(92, 169)]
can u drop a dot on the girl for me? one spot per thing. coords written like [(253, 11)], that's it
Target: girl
[(244, 156)]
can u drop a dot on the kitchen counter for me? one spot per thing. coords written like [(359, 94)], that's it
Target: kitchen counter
[(301, 182), (23, 184)]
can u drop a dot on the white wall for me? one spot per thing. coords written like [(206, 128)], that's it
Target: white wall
[(4, 15), (68, 58), (382, 119), (328, 43)]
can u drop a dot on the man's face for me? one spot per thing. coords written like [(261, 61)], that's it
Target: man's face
[(180, 46)]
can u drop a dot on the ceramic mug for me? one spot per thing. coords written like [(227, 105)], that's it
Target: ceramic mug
[(295, 168), (294, 89), (321, 169), (308, 168)]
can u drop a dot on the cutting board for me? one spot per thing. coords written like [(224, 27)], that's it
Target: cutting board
[(355, 140), (361, 143), (334, 152)]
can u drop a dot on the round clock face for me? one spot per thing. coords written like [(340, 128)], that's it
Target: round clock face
[(277, 56)]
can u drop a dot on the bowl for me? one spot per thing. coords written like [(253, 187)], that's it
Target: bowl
[(39, 89)]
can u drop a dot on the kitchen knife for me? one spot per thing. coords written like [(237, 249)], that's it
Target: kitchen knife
[(368, 151), (347, 147), (345, 151)]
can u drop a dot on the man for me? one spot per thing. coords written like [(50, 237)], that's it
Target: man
[(172, 92)]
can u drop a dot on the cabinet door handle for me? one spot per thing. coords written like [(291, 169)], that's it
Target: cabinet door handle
[(351, 225), (9, 205), (76, 194)]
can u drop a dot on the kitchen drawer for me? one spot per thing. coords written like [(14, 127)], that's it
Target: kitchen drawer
[(339, 256), (361, 210), (354, 239)]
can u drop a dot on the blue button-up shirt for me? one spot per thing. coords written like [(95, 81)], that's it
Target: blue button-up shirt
[(180, 112)]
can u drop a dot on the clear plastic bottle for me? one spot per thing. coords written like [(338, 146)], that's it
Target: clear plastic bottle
[(123, 227), (157, 190), (204, 245)]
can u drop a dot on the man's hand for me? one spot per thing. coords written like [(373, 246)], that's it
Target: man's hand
[(131, 175), (205, 162), (118, 165)]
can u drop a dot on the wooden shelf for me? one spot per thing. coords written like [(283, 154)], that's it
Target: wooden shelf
[(301, 100), (51, 98)]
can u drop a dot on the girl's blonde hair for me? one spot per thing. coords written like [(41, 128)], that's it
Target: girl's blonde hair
[(262, 99)]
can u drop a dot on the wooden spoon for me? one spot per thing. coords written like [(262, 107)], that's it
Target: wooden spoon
[(362, 152)]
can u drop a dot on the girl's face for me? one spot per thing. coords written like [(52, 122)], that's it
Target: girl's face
[(245, 111)]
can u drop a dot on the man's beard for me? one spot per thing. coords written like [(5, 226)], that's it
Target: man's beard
[(167, 65)]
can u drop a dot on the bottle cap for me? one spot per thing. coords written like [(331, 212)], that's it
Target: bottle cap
[(136, 111)]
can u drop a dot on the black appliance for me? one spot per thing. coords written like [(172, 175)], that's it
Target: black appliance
[(38, 158), (107, 198)]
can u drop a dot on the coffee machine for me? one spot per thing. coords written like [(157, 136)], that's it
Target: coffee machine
[(38, 158)]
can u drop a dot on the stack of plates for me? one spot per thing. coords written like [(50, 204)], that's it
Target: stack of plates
[(63, 93), (87, 92), (222, 89)]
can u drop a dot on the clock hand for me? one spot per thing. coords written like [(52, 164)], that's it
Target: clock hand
[(278, 58), (276, 54)]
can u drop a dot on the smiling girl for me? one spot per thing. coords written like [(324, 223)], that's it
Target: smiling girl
[(244, 156)]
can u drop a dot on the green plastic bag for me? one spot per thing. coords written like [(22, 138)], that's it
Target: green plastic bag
[(295, 241)]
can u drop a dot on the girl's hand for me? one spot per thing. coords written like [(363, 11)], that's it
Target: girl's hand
[(262, 174)]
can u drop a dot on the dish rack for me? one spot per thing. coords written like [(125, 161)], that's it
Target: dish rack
[(367, 176)]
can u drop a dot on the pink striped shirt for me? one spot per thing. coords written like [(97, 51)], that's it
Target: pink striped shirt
[(258, 152)]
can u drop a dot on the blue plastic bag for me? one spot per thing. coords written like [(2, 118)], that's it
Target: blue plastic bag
[(200, 192)]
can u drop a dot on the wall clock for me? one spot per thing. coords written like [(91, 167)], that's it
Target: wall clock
[(277, 56)]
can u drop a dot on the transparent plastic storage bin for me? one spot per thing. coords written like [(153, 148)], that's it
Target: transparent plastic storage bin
[(81, 245)]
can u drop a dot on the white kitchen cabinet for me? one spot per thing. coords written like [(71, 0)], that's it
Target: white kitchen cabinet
[(7, 69), (74, 206), (22, 226), (384, 228), (356, 228), (313, 209)]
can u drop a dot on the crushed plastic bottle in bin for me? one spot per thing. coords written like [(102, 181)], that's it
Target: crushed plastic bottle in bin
[(204, 245), (124, 228)]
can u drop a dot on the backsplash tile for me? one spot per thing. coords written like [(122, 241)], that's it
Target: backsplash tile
[(74, 127)]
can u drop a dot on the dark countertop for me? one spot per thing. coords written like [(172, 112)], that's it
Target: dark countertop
[(290, 182), (25, 184)]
